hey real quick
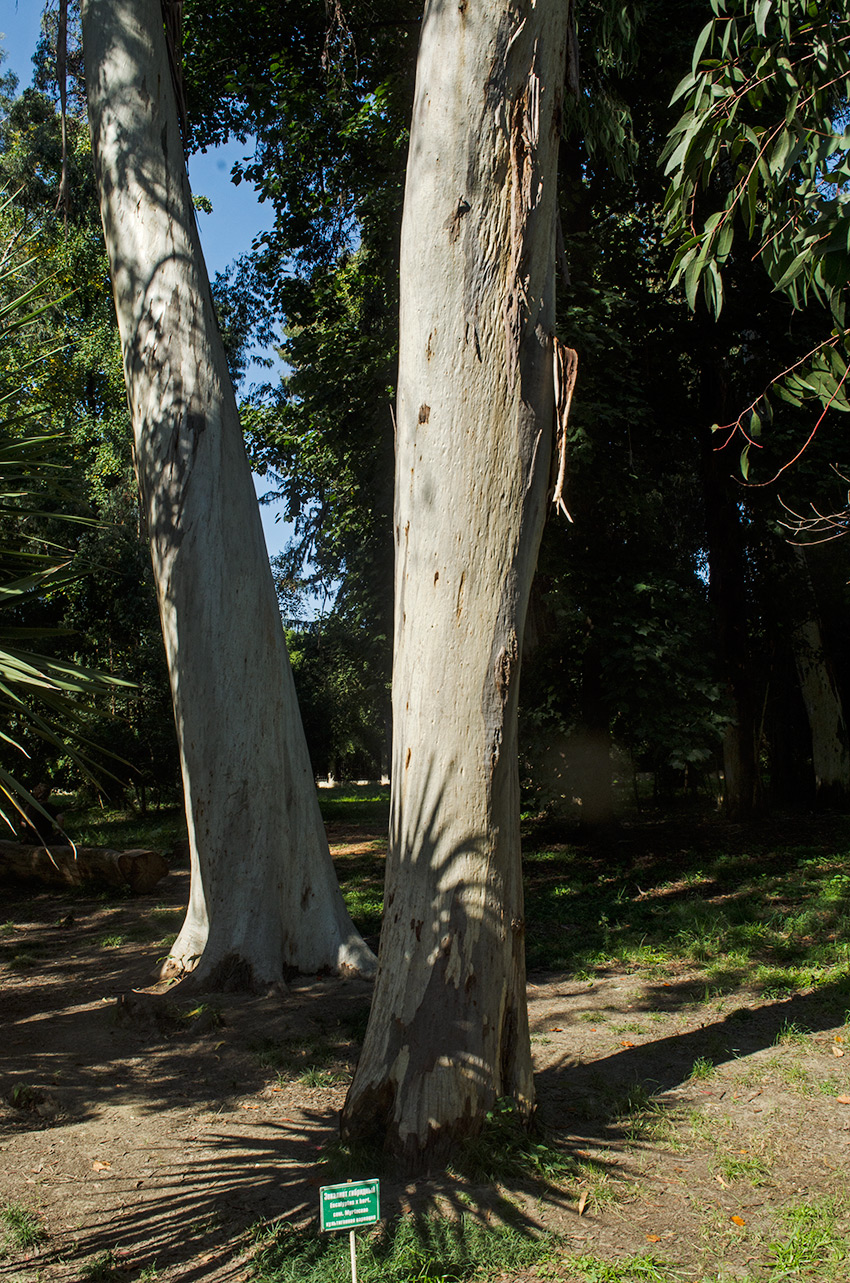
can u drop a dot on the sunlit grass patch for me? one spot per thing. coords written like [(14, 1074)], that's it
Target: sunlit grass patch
[(364, 900), (702, 1068), (632, 1269), (313, 1076), (20, 1228), (363, 804), (791, 1034), (779, 982), (744, 1166), (816, 1235), (427, 1248)]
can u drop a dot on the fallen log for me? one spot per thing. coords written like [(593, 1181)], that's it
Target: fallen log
[(140, 870)]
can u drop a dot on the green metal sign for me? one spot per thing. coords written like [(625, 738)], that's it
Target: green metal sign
[(344, 1207)]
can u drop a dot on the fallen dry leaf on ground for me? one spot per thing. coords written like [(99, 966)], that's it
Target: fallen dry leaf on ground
[(738, 1220), (582, 1202)]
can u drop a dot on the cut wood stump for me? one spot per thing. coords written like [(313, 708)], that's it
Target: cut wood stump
[(140, 870)]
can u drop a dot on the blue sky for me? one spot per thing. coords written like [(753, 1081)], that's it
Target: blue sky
[(227, 232)]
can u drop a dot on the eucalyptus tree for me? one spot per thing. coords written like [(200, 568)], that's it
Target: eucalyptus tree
[(264, 896), (448, 1031)]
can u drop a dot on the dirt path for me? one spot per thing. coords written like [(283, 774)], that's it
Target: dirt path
[(149, 1135)]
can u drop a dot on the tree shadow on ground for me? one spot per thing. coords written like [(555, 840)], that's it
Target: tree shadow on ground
[(576, 1097)]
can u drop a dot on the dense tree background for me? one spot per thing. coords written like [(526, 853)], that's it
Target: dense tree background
[(103, 613), (664, 640)]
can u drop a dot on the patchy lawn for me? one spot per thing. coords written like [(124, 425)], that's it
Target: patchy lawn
[(689, 997)]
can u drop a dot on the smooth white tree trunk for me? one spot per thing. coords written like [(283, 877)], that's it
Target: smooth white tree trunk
[(264, 896), (448, 1034)]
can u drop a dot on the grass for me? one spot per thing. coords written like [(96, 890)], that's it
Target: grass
[(752, 1168), (313, 1076), (634, 1269), (505, 1150), (315, 1061), (24, 960), (814, 1238), (101, 1269), (811, 1244), (702, 920), (791, 1035), (778, 918), (207, 1012), (159, 829), (22, 1228), (420, 1248), (365, 805)]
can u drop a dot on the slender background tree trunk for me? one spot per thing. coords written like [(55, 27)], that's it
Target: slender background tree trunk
[(830, 747), (264, 896), (448, 1033), (728, 591)]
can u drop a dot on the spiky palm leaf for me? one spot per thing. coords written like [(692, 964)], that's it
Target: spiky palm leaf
[(38, 694)]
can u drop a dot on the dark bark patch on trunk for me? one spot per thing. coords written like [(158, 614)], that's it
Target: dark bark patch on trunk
[(364, 1121), (504, 666), (232, 974), (453, 223), (424, 413)]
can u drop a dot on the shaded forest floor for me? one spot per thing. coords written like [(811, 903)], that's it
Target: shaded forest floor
[(689, 997)]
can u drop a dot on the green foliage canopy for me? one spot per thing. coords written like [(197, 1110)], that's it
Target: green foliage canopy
[(762, 147)]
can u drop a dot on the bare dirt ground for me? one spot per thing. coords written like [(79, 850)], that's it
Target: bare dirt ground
[(160, 1131)]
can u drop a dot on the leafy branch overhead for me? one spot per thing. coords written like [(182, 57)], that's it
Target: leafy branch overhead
[(761, 147)]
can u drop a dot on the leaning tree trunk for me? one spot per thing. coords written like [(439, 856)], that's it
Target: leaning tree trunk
[(264, 897), (448, 1033)]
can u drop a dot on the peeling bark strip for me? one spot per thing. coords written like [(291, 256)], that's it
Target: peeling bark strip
[(525, 193), (565, 369), (448, 1033), (263, 897)]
